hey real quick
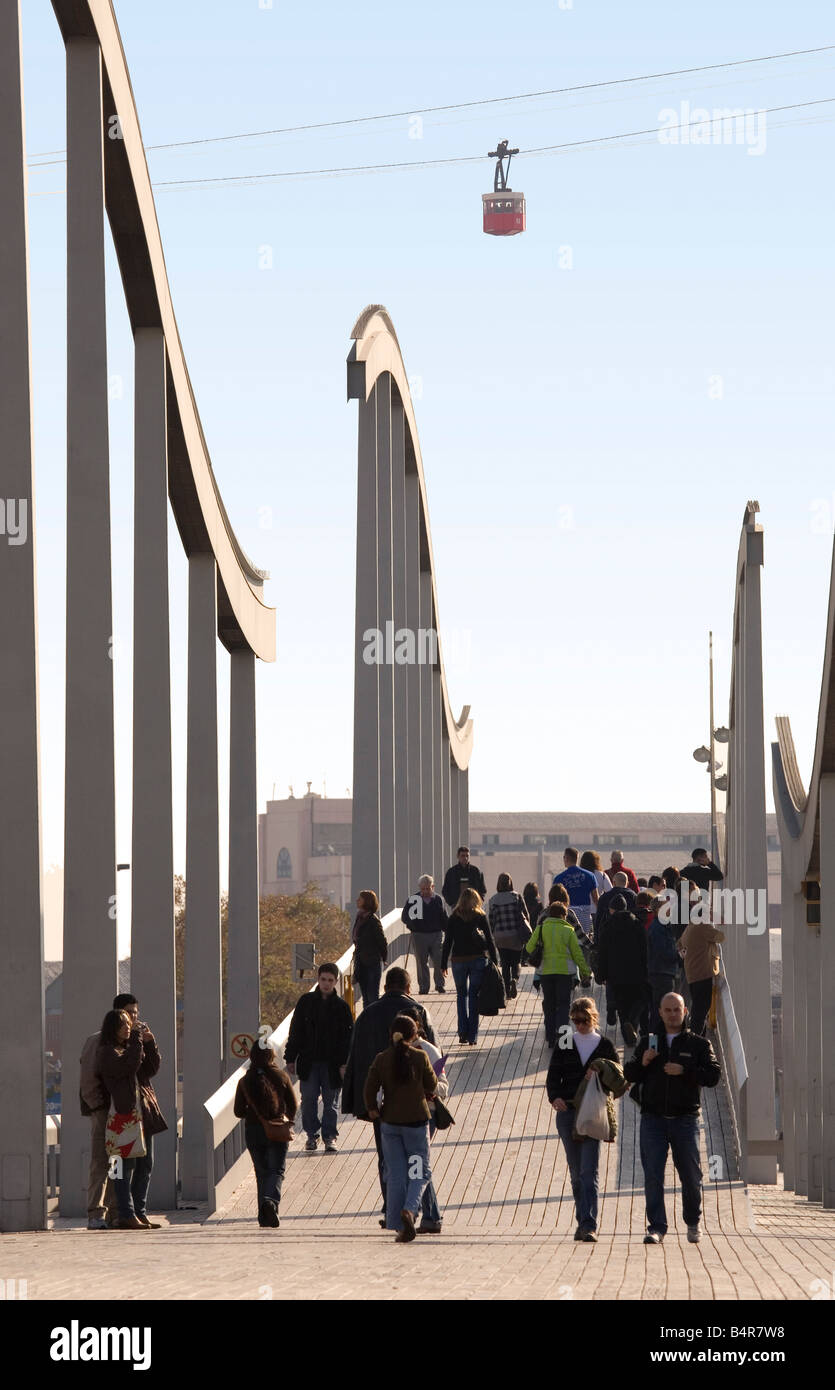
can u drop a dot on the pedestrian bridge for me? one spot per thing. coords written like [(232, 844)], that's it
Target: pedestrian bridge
[(505, 1195)]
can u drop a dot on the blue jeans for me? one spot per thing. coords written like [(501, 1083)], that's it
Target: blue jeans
[(429, 1202), (132, 1188), (268, 1160), (367, 976), (582, 1156), (468, 975), (408, 1169), (319, 1080), (681, 1134)]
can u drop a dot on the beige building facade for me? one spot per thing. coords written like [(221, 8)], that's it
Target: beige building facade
[(308, 839)]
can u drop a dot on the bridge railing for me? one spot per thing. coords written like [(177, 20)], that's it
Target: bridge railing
[(226, 1150)]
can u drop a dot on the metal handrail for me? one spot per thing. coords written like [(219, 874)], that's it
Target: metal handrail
[(224, 1130)]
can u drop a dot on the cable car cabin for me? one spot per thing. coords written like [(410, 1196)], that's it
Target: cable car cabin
[(504, 213)]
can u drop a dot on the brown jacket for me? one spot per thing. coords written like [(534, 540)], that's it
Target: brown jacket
[(122, 1069), (404, 1102), (285, 1098), (701, 957)]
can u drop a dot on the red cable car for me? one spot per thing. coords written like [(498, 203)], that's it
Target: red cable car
[(503, 210)]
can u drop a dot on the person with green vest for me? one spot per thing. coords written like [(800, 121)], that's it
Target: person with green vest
[(560, 953)]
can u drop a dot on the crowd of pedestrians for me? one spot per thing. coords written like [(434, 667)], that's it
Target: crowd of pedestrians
[(635, 936)]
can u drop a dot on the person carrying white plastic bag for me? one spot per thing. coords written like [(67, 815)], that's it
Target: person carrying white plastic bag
[(593, 1115), (575, 1062)]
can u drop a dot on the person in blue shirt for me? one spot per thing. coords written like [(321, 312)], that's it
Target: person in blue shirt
[(581, 886)]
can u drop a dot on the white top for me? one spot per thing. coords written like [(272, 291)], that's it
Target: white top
[(604, 883), (585, 1044), (434, 1054)]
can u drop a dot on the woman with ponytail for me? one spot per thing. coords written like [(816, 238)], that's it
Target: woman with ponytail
[(405, 1078), (265, 1092)]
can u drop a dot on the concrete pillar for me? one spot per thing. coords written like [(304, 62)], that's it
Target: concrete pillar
[(431, 862), (449, 848), (90, 977), (797, 1042), (418, 858), (788, 1025), (441, 821), (243, 1007), (403, 674), (365, 857), (813, 1056), (385, 600), (826, 990), (455, 804), (752, 978), (202, 1034), (22, 1145), (153, 976), (463, 816)]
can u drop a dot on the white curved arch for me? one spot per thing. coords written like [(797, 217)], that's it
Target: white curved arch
[(376, 350), (244, 620)]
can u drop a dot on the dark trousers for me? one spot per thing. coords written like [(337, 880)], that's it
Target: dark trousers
[(556, 1003), (701, 992), (367, 976), (429, 1203), (268, 1160), (511, 966), (681, 1134), (659, 985), (632, 1009)]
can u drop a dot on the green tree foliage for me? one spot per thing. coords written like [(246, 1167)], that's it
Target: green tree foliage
[(285, 920)]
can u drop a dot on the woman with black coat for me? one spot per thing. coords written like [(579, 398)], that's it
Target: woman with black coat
[(469, 941), (265, 1092), (126, 1058), (569, 1065), (370, 947)]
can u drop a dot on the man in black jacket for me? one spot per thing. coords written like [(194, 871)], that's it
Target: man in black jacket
[(702, 871), (462, 875), (671, 1075), (370, 1036), (317, 1049)]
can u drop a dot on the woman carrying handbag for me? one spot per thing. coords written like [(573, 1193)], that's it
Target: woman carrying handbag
[(266, 1102), (125, 1072), (569, 1067)]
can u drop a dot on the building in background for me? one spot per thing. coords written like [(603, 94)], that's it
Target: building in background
[(308, 839)]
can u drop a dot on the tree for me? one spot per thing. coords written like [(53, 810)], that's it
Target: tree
[(285, 919)]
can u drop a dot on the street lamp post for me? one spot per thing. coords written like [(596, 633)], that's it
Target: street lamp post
[(708, 756)]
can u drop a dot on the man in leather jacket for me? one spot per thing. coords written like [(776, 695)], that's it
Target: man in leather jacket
[(671, 1076)]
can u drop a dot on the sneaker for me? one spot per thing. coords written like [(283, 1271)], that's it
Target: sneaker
[(694, 1234), (407, 1230), (330, 1146), (653, 1238), (429, 1228), (590, 1237), (149, 1225), (97, 1223), (312, 1145)]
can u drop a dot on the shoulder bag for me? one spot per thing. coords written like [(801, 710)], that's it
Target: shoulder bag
[(124, 1136), (279, 1130), (442, 1117)]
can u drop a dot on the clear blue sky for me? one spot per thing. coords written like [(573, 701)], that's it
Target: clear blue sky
[(585, 488)]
